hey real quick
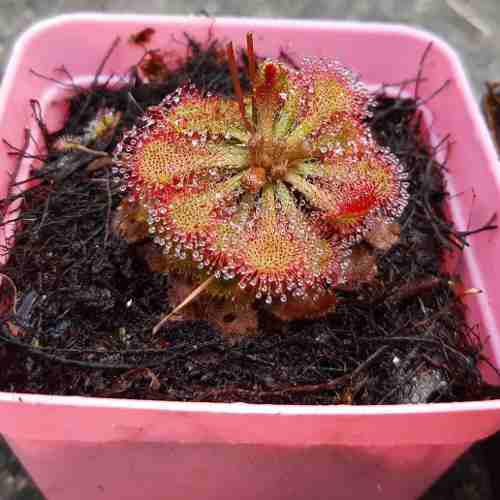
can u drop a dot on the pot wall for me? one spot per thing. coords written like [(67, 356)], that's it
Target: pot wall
[(159, 471), (79, 448), (76, 448)]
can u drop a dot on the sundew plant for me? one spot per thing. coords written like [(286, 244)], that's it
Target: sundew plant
[(264, 196)]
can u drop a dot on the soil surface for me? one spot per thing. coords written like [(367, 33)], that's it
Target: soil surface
[(87, 300)]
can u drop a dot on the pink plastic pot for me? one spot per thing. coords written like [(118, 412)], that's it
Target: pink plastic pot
[(80, 448)]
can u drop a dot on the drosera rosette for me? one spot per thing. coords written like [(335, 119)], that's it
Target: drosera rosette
[(264, 197)]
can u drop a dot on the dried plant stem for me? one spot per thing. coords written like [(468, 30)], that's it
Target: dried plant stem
[(418, 288), (197, 291), (85, 149), (11, 191), (233, 69), (252, 70)]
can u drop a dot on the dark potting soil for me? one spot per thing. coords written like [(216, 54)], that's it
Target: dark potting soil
[(87, 301)]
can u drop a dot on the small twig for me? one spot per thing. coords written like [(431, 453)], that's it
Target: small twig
[(19, 152), (252, 70), (409, 290), (85, 149), (7, 338), (98, 164), (302, 389), (233, 69), (401, 85), (312, 388), (103, 63), (420, 70), (484, 359), (40, 352), (433, 94), (15, 172), (401, 338), (134, 101), (197, 291), (37, 113), (489, 226), (62, 69), (50, 79)]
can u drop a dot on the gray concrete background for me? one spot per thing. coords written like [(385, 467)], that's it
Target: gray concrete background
[(468, 25)]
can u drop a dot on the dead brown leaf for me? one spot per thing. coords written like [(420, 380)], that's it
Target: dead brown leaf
[(305, 309), (384, 236), (130, 222), (142, 37), (362, 266)]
